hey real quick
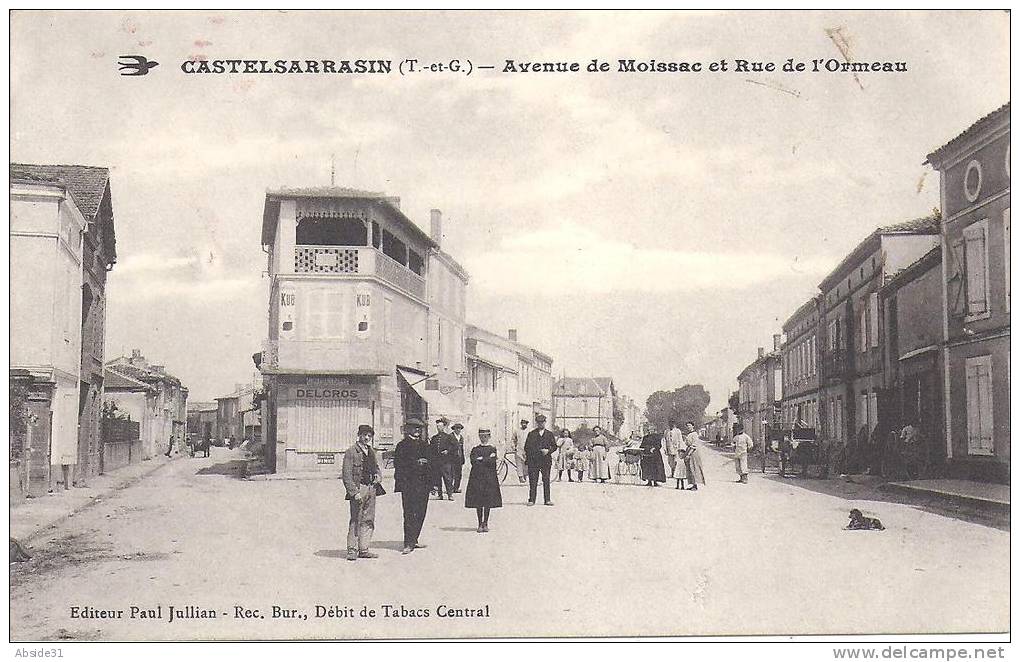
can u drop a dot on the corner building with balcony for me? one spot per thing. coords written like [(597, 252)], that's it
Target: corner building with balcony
[(366, 324)]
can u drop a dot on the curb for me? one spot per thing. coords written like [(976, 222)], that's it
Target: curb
[(957, 499), (128, 482)]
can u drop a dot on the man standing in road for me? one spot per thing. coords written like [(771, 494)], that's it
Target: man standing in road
[(673, 441), (360, 476), (441, 445), (742, 443), (457, 456), (517, 447), (538, 450), (412, 479)]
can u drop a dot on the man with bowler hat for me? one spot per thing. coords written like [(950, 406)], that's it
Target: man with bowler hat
[(538, 450), (361, 478), (413, 480)]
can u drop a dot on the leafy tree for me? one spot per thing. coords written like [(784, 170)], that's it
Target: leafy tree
[(686, 403)]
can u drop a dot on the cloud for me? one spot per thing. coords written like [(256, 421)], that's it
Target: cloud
[(570, 258)]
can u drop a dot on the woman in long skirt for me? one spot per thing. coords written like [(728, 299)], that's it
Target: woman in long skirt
[(599, 456), (692, 458), (564, 454), (482, 492), (653, 471)]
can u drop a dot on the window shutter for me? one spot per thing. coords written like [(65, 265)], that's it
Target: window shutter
[(956, 279), (976, 269), (980, 439), (864, 329), (334, 316)]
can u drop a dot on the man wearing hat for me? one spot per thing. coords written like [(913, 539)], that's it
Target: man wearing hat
[(360, 476), (442, 447), (457, 458), (538, 450), (412, 478), (517, 448)]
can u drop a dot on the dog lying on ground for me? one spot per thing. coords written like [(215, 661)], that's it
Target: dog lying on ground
[(858, 522)]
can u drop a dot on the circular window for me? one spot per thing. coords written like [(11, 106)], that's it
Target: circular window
[(972, 181)]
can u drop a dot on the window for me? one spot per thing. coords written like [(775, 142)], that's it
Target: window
[(325, 313), (1005, 237), (376, 235), (394, 248), (873, 313), (331, 231), (980, 440), (863, 344), (975, 238), (415, 262)]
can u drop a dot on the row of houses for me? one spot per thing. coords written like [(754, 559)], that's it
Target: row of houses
[(910, 329), (367, 325)]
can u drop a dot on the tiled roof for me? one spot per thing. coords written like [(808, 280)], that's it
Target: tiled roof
[(142, 374), (988, 120), (925, 225), (113, 379), (324, 192), (202, 406), (922, 264), (87, 184), (585, 386)]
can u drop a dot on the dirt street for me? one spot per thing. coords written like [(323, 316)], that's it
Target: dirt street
[(616, 559)]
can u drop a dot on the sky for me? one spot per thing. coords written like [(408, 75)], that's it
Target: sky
[(652, 227)]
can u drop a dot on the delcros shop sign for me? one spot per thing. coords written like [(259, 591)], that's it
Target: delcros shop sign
[(328, 388), (327, 393)]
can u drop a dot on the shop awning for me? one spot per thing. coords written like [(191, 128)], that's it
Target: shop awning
[(439, 404)]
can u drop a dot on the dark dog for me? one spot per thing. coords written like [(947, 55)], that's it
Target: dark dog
[(858, 522)]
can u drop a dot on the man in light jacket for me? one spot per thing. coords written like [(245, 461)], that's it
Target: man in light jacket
[(742, 443), (517, 446), (360, 476)]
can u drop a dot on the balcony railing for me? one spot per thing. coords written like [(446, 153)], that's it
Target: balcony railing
[(355, 261)]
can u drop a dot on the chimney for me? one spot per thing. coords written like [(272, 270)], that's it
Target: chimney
[(512, 334), (137, 359), (436, 228), (761, 352), (777, 341)]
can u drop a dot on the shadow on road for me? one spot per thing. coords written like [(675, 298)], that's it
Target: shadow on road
[(332, 553), (235, 468), (472, 529)]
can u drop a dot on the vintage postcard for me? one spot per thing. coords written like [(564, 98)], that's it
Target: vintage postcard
[(339, 325)]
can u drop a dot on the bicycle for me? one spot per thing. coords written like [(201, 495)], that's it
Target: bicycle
[(503, 468)]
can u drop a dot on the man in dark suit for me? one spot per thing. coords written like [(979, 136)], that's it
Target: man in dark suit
[(458, 460), (413, 480), (442, 446), (538, 450)]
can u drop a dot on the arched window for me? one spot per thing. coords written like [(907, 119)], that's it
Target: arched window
[(331, 231)]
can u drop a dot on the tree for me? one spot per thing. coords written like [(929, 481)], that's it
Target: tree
[(686, 403)]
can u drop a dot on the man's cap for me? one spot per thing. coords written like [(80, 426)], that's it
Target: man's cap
[(484, 431), (524, 420), (366, 429), (540, 418), (442, 419), (458, 426), (414, 423)]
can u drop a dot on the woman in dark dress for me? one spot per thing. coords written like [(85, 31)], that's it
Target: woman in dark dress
[(653, 471), (483, 485)]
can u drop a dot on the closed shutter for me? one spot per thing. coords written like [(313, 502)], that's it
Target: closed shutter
[(980, 440), (336, 315), (976, 256), (316, 314), (325, 426)]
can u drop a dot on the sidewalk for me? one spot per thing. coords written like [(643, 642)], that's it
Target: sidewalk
[(983, 495), (31, 517)]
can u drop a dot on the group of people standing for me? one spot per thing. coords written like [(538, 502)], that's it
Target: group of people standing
[(580, 458)]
